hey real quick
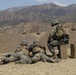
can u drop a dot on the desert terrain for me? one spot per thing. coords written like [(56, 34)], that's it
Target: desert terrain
[(65, 67), (10, 38), (34, 23)]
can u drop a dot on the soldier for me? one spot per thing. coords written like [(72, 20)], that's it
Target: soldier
[(37, 47), (24, 48), (18, 57), (10, 57), (26, 57), (39, 53), (57, 37)]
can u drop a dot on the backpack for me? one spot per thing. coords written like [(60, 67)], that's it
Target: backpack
[(62, 35), (60, 31)]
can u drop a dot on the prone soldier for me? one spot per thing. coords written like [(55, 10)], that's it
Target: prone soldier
[(17, 56), (39, 53)]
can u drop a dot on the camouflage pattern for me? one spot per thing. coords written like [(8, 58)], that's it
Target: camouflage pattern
[(15, 56), (54, 23), (52, 44), (24, 59), (6, 60), (24, 43), (54, 39), (57, 31), (42, 57), (39, 53), (36, 47), (36, 43), (10, 57), (57, 37), (23, 49)]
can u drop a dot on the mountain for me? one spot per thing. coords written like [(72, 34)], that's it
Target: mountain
[(39, 13), (32, 23)]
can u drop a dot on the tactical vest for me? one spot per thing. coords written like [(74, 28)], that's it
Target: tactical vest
[(25, 51), (60, 31), (38, 49)]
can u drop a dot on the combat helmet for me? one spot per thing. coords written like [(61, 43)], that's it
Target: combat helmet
[(24, 43), (54, 23), (36, 43)]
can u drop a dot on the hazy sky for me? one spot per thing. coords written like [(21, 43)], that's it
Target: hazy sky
[(4, 4)]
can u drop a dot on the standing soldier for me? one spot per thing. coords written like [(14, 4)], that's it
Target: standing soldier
[(57, 37)]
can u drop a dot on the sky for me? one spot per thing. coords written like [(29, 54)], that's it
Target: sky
[(5, 4)]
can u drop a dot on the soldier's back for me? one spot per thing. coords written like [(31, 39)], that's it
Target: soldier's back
[(24, 49), (38, 49), (60, 31)]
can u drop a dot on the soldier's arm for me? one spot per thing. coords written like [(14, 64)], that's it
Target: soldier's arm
[(53, 31), (50, 38)]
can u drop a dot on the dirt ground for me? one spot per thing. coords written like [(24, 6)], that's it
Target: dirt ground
[(9, 43), (65, 67)]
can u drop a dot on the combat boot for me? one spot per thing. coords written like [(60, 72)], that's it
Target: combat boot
[(55, 56)]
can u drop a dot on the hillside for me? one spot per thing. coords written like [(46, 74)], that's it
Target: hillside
[(40, 13), (11, 36), (19, 23), (33, 23)]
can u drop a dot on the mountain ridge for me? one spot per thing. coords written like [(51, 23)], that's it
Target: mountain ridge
[(40, 13)]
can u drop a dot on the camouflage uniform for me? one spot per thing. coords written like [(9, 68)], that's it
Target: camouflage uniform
[(17, 56), (43, 57), (11, 57), (56, 38), (39, 53), (26, 57), (23, 49)]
